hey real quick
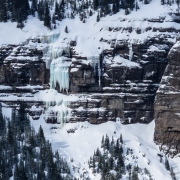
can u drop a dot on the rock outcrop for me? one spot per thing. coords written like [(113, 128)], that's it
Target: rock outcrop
[(22, 65), (167, 105), (123, 84)]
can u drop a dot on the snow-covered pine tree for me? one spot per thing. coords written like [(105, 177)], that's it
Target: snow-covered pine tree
[(66, 29), (47, 18), (167, 164)]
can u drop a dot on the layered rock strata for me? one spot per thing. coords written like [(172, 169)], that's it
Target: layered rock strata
[(167, 105), (120, 84), (127, 84), (22, 65)]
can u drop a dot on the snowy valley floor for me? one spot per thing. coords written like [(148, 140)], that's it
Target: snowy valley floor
[(81, 144)]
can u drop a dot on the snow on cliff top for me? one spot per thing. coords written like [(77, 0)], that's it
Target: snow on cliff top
[(9, 34), (88, 34)]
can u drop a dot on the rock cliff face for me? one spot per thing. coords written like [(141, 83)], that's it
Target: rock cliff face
[(22, 65), (120, 84), (167, 103), (23, 73)]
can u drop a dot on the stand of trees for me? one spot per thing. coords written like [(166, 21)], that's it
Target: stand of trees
[(51, 11), (25, 154), (14, 10), (18, 11), (112, 159)]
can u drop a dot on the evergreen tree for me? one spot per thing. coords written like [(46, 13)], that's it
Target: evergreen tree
[(2, 123), (106, 143), (16, 172), (167, 164), (33, 7), (121, 139), (90, 12), (3, 11), (111, 163), (41, 138), (66, 29), (130, 4), (178, 3), (41, 10), (162, 2), (10, 136), (22, 119), (117, 5), (18, 152), (114, 8), (20, 23), (47, 18), (98, 18), (57, 11), (96, 4), (134, 174), (102, 142)]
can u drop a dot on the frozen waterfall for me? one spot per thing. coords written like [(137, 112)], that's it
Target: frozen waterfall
[(57, 111), (59, 73), (50, 38), (56, 108)]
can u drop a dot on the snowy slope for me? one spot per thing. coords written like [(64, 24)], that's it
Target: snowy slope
[(82, 144), (12, 35)]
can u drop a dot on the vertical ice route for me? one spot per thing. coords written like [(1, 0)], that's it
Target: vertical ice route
[(59, 74)]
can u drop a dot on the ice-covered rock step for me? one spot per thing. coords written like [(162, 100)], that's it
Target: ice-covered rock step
[(22, 89)]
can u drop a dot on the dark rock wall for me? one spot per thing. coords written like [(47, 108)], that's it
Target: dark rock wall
[(167, 105), (124, 92), (111, 90), (21, 65)]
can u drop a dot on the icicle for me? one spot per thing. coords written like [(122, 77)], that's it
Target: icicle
[(129, 119), (130, 51), (95, 61), (99, 72), (84, 75)]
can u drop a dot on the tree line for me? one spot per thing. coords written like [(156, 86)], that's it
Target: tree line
[(114, 161), (52, 11), (25, 154), (18, 11)]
